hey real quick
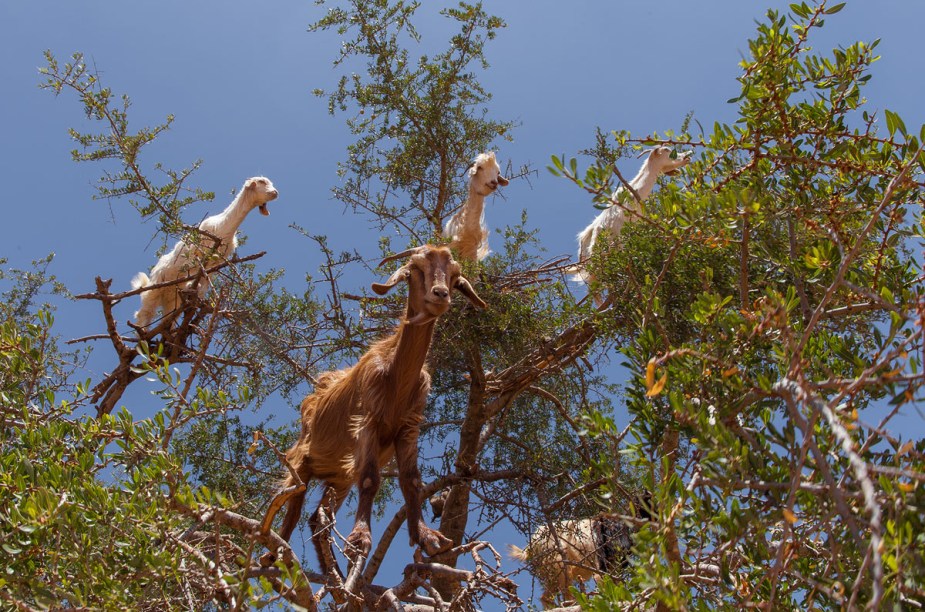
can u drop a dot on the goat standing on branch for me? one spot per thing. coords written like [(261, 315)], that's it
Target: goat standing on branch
[(574, 551), (660, 161), (466, 228), (358, 418), (218, 238)]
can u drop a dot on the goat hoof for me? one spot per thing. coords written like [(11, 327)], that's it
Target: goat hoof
[(433, 542), (359, 544)]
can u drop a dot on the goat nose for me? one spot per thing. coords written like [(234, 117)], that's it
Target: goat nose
[(440, 292)]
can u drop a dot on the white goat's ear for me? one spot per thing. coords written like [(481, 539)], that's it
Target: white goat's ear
[(463, 286), (250, 185), (398, 276)]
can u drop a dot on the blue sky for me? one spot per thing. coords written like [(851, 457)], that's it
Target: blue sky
[(238, 76)]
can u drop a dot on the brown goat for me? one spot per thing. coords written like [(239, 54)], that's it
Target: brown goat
[(359, 417)]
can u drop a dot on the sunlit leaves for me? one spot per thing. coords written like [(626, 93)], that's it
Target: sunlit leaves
[(894, 123), (416, 119), (115, 141), (778, 259)]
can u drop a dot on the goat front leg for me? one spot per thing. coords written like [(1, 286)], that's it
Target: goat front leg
[(409, 479)]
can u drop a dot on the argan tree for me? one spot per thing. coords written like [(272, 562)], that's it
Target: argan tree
[(774, 333), (765, 305)]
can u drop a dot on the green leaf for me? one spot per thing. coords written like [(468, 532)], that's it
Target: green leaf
[(894, 123)]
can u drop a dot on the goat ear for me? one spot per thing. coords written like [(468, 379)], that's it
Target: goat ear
[(398, 276), (502, 181), (463, 286)]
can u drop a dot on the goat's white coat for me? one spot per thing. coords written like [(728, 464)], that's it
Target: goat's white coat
[(560, 557), (613, 217), (466, 228), (218, 240)]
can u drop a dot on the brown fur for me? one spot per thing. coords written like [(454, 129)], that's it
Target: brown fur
[(358, 418)]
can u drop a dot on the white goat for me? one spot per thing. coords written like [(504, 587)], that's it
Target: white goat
[(466, 228), (614, 216), (218, 240), (574, 551)]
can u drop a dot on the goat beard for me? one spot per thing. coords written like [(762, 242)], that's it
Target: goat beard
[(263, 210), (421, 318)]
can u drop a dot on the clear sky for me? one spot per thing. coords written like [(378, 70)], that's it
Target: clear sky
[(239, 75)]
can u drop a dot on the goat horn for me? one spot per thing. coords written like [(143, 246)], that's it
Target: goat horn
[(403, 254), (643, 152)]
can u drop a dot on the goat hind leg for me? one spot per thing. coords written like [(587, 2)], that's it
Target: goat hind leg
[(322, 524), (294, 502), (145, 314)]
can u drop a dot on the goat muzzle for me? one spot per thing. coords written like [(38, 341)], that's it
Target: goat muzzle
[(271, 195)]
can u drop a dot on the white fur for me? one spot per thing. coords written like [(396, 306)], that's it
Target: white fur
[(659, 162), (186, 258), (560, 557), (466, 228)]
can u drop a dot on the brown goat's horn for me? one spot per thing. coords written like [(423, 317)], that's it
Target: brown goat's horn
[(403, 254)]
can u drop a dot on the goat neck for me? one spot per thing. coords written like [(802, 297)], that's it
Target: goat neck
[(643, 182), (411, 345), (472, 212), (227, 222)]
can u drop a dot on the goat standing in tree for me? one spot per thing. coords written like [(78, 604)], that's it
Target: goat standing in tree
[(218, 238), (359, 417), (466, 228), (571, 552), (660, 161)]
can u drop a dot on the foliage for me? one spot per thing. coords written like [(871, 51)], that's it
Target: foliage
[(775, 337), (417, 120), (766, 305), (115, 141)]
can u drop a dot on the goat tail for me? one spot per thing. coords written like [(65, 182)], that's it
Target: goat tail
[(586, 240), (140, 281), (518, 554), (578, 274)]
